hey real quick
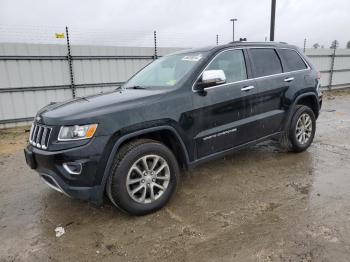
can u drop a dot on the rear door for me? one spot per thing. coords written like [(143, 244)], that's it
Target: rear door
[(222, 115), (270, 81)]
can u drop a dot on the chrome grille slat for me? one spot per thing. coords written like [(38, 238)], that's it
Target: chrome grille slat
[(31, 133), (34, 133), (39, 136), (43, 137)]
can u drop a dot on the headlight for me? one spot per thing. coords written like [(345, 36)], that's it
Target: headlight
[(69, 133)]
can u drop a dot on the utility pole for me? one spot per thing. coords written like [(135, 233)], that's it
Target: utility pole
[(217, 39), (304, 45), (272, 23), (233, 20)]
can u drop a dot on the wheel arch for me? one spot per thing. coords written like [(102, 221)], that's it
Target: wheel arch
[(308, 99), (165, 134)]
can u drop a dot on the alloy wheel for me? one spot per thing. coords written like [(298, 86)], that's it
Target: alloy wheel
[(148, 179), (303, 129)]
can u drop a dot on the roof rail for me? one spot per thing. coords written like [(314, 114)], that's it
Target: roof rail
[(234, 42), (268, 43)]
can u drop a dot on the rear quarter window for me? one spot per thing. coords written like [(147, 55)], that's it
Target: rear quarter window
[(265, 61), (292, 60)]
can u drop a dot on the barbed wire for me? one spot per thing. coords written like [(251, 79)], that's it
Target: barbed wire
[(46, 34), (110, 37)]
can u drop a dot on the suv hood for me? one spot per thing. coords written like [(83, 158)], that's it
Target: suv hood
[(85, 109)]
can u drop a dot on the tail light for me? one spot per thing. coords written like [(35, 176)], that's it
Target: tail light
[(318, 76)]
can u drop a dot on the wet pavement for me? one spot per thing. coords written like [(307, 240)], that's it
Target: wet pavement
[(259, 204)]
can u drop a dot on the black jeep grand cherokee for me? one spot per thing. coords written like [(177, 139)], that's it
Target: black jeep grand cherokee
[(179, 111)]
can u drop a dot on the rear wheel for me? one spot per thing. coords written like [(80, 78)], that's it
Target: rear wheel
[(301, 131), (144, 176)]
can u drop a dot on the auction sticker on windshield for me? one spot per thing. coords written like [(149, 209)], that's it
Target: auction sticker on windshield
[(192, 58)]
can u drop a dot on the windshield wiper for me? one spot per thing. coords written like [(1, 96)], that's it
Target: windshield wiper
[(136, 87)]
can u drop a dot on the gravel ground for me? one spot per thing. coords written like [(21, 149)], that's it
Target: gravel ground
[(259, 204)]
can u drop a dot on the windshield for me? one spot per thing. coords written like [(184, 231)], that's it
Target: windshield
[(166, 71)]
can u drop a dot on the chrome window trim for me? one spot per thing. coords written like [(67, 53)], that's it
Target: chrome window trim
[(208, 88), (254, 78)]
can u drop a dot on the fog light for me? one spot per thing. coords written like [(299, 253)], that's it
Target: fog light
[(73, 168)]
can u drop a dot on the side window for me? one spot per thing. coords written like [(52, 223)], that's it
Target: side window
[(265, 61), (232, 63), (292, 60)]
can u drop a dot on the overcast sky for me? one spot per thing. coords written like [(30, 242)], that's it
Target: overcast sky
[(178, 22)]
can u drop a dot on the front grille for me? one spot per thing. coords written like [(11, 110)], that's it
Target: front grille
[(39, 136)]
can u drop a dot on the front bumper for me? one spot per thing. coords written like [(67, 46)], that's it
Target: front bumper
[(87, 185), (91, 194)]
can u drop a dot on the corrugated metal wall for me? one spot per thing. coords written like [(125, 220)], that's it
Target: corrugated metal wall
[(340, 71), (33, 75)]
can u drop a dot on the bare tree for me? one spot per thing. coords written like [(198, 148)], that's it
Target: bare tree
[(335, 44), (316, 45), (348, 45)]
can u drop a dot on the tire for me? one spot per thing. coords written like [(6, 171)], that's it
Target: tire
[(299, 135), (131, 183)]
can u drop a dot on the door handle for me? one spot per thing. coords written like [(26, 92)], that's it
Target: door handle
[(247, 88), (289, 79)]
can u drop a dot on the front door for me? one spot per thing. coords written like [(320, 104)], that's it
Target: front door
[(223, 117)]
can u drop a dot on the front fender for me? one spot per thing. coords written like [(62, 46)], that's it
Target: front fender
[(130, 135)]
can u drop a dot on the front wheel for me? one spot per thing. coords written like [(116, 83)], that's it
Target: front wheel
[(144, 176), (302, 129)]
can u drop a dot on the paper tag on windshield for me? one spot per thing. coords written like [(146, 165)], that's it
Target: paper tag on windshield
[(192, 58)]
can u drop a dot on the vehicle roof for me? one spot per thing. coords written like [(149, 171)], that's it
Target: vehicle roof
[(258, 44), (238, 44)]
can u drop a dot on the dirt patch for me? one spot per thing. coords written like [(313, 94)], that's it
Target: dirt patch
[(331, 95), (303, 189), (13, 139)]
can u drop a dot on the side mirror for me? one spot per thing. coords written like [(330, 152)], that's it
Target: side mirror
[(211, 78)]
